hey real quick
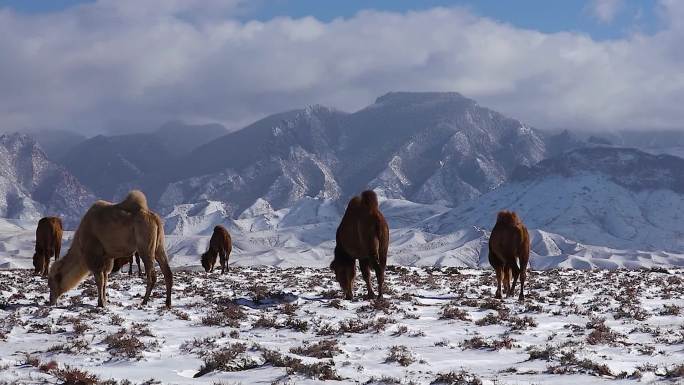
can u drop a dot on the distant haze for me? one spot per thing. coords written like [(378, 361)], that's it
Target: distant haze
[(119, 66)]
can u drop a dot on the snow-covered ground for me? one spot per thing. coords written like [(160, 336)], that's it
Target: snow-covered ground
[(271, 325), (278, 317)]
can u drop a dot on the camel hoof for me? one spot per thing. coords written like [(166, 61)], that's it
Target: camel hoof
[(370, 296)]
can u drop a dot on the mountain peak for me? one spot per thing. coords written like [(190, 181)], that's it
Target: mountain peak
[(404, 97)]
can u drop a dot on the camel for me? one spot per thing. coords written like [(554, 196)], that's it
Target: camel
[(509, 252), (121, 262), (48, 243), (363, 235), (220, 244), (109, 231)]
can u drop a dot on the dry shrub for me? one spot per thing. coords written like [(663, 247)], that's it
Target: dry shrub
[(489, 319), (401, 355), (321, 349), (122, 343), (323, 371), (523, 323), (227, 359), (451, 311), (456, 378)]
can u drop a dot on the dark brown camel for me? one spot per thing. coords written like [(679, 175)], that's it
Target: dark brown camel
[(509, 252), (48, 243), (121, 262), (363, 234), (220, 244)]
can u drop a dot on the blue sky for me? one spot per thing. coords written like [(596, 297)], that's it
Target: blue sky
[(542, 15)]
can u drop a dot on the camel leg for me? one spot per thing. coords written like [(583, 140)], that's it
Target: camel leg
[(364, 264), (137, 261), (523, 275), (100, 282), (506, 281), (58, 248), (130, 267), (515, 272), (499, 276), (163, 262), (351, 274), (151, 277), (380, 274), (46, 265), (222, 258), (104, 286)]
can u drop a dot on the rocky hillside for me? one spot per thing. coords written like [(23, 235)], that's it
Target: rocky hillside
[(424, 147), (615, 197), (32, 186), (112, 165)]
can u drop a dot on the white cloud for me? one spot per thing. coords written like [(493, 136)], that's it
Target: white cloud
[(112, 64), (605, 10)]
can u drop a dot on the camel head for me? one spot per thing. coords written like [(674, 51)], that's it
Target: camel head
[(38, 262), (54, 284), (344, 273), (208, 261)]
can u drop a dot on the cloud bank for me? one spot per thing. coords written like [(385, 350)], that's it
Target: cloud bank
[(116, 65)]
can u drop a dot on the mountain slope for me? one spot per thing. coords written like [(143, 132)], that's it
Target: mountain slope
[(32, 186), (112, 165), (620, 198), (424, 147)]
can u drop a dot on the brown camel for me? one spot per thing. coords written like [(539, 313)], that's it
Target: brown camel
[(121, 262), (363, 234), (509, 252), (220, 244), (48, 243), (107, 232)]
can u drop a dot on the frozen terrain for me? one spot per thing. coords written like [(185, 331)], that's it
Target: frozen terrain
[(288, 326)]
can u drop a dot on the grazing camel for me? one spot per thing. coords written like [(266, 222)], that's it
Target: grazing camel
[(48, 243), (220, 244), (121, 262), (509, 252), (109, 231), (363, 234)]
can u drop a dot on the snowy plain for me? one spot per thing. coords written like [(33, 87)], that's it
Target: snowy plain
[(594, 313)]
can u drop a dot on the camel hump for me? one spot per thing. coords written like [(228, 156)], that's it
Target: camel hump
[(135, 201), (354, 203), (508, 218), (370, 199), (219, 229)]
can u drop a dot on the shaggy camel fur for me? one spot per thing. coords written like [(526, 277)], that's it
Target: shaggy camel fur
[(107, 232), (509, 252), (48, 243), (220, 244), (121, 262), (363, 234)]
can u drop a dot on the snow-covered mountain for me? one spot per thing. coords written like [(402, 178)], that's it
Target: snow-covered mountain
[(112, 165), (32, 186), (424, 147), (614, 197)]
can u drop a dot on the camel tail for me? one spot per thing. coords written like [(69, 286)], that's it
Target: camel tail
[(134, 202)]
